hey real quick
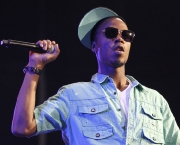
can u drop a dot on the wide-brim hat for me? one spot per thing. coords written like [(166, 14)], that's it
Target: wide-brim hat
[(89, 21)]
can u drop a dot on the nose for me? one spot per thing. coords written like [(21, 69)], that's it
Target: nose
[(118, 39)]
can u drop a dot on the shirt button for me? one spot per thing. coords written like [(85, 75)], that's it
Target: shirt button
[(93, 110), (153, 124), (154, 138), (115, 93), (97, 135), (119, 109), (124, 127)]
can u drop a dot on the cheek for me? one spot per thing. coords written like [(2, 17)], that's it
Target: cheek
[(128, 47), (105, 50), (128, 50)]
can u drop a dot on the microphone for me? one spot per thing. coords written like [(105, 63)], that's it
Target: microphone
[(25, 46)]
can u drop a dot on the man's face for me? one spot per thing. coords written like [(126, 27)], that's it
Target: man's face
[(111, 52)]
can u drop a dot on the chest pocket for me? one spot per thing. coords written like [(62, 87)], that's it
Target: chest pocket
[(152, 111), (154, 137), (94, 115), (152, 124), (98, 133)]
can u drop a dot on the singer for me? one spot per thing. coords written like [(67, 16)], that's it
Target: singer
[(113, 108)]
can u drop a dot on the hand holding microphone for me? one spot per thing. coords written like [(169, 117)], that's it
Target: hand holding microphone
[(40, 59), (14, 44), (41, 53)]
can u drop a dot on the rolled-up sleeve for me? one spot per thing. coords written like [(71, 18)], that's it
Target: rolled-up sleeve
[(170, 127), (52, 114)]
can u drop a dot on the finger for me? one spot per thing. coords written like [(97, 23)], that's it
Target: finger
[(56, 50), (44, 45), (53, 42), (49, 44), (40, 43), (53, 45)]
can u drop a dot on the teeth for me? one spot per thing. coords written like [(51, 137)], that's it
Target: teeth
[(119, 48)]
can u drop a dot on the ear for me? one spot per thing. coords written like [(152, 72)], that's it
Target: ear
[(93, 47)]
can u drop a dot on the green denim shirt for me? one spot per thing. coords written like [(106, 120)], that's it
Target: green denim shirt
[(90, 114)]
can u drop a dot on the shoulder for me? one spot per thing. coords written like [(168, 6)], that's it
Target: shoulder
[(77, 85), (150, 90), (153, 96), (75, 88), (81, 91), (147, 94), (142, 88)]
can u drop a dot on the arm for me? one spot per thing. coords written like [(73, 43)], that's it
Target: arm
[(171, 129), (23, 123)]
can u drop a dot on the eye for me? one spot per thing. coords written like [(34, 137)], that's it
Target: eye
[(127, 35), (111, 32)]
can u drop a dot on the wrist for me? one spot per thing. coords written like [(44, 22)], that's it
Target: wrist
[(36, 65), (32, 70)]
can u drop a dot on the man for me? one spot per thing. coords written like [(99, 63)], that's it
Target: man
[(110, 109)]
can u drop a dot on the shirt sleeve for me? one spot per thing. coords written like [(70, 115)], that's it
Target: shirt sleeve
[(52, 114), (170, 127)]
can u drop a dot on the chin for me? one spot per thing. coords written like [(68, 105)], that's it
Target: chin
[(117, 63)]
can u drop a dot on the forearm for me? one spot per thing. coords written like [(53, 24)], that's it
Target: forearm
[(23, 123)]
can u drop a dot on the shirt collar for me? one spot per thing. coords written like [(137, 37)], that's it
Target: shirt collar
[(136, 83), (100, 78)]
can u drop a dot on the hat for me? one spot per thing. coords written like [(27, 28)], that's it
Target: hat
[(89, 21)]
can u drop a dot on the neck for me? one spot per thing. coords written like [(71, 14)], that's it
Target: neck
[(117, 74)]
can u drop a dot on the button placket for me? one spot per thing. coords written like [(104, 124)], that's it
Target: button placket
[(131, 117)]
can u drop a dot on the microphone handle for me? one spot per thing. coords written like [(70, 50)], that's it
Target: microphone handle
[(25, 45)]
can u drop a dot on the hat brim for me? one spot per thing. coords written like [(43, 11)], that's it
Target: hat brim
[(88, 22)]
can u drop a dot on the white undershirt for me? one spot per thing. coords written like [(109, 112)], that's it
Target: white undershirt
[(124, 99)]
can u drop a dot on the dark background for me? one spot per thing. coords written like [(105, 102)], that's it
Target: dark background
[(154, 56)]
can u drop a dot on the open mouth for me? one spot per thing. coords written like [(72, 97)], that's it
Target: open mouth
[(119, 48)]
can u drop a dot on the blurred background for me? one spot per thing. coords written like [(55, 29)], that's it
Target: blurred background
[(154, 57)]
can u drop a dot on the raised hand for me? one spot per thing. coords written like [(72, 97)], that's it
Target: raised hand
[(39, 60)]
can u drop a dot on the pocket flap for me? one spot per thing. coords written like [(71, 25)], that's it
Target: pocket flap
[(93, 109), (98, 133), (153, 136), (152, 112)]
